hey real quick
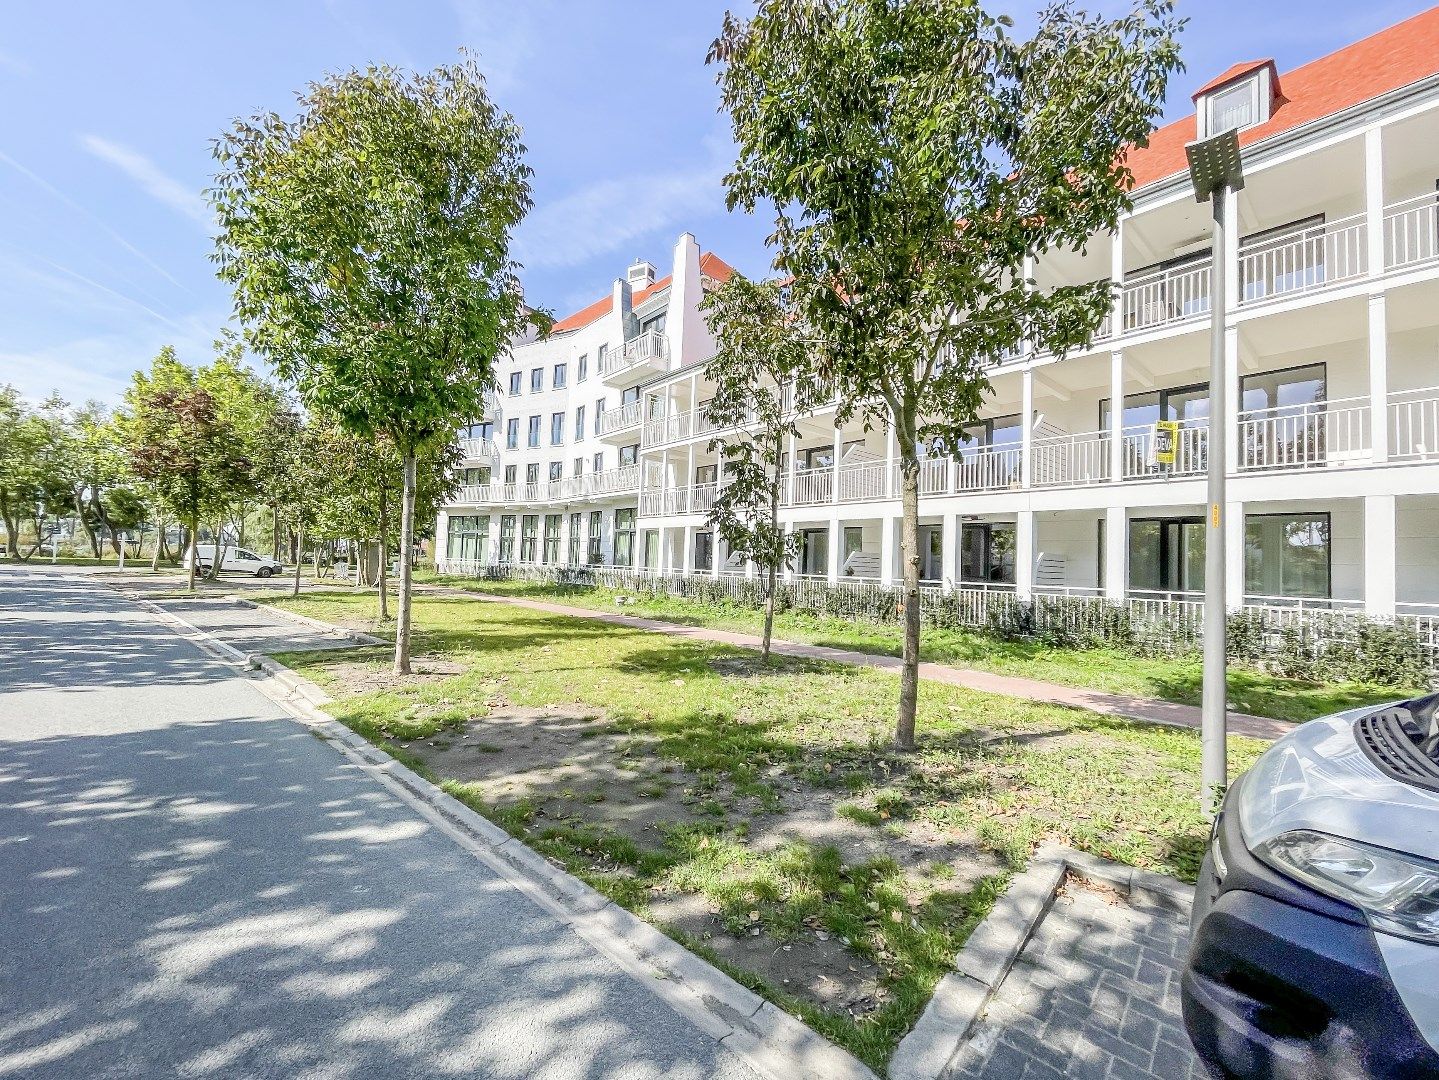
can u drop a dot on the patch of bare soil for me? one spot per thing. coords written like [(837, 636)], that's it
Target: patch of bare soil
[(573, 768), (364, 677)]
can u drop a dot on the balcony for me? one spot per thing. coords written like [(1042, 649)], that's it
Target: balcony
[(478, 449), (1411, 232), (1321, 434), (620, 421), (1166, 297), (636, 360), (666, 429), (622, 481), (1067, 460), (1191, 451), (1414, 425), (1303, 261)]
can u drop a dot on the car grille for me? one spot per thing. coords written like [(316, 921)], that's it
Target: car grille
[(1387, 742)]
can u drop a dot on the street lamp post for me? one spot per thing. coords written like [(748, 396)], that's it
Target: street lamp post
[(1215, 170)]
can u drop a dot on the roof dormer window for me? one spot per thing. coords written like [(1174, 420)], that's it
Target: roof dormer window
[(1240, 98)]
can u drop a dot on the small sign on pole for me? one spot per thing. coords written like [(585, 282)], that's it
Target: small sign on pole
[(1166, 441)]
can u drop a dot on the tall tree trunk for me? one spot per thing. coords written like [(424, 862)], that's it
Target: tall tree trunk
[(772, 571), (275, 530), (355, 563), (159, 545), (79, 505), (384, 566), (909, 558), (299, 547), (194, 549), (219, 559), (407, 541)]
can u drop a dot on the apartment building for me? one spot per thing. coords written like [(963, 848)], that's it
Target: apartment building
[(1332, 387)]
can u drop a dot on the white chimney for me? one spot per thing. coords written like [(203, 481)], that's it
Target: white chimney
[(641, 274)]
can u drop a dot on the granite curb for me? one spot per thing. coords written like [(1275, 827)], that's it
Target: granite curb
[(961, 997)]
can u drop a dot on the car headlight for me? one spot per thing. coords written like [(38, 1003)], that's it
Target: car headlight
[(1399, 894)]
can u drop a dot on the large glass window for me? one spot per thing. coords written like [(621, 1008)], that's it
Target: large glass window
[(480, 429), (517, 379), (557, 470), (986, 552), (625, 536), (814, 552), (576, 524), (596, 551), (511, 473), (600, 356), (537, 380), (629, 454), (599, 413), (655, 324), (579, 422), (1286, 555), (652, 549), (853, 545), (598, 464), (476, 476), (582, 368), (534, 431), (1282, 420), (1166, 555), (529, 537), (557, 428), (512, 433), (552, 538), (468, 538), (1234, 108), (532, 473), (557, 380), (704, 550), (507, 538)]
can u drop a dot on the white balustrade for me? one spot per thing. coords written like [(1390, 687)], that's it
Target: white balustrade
[(1070, 460), (993, 468), (1411, 232), (1191, 447), (1304, 260), (621, 419), (812, 486), (1165, 297), (1414, 424), (1319, 434), (478, 449), (649, 348)]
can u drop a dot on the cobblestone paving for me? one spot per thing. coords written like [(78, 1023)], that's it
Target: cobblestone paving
[(1093, 996)]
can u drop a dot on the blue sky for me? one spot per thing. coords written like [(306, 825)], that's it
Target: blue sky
[(108, 113)]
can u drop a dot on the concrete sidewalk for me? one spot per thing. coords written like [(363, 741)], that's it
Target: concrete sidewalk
[(1149, 710)]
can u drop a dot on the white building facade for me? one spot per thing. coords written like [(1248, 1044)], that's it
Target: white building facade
[(1332, 388)]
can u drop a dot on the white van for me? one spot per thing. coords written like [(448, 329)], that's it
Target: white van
[(238, 559)]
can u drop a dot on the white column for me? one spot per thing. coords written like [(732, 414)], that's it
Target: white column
[(1116, 415), (1026, 428), (887, 526), (949, 549), (1024, 553), (836, 547), (1380, 552), (1234, 555), (689, 483), (834, 467), (1379, 376), (689, 549), (1116, 274), (792, 453), (1374, 200), (1116, 553)]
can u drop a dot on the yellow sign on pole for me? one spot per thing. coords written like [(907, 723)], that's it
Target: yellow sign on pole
[(1166, 441)]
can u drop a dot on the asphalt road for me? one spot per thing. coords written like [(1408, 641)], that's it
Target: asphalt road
[(193, 885)]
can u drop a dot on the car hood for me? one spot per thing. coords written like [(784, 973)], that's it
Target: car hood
[(1318, 777)]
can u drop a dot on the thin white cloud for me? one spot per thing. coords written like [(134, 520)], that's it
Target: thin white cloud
[(504, 35), (12, 63), (603, 217), (178, 196)]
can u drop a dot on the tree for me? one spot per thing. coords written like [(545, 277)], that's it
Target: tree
[(917, 155), (367, 241), (762, 371)]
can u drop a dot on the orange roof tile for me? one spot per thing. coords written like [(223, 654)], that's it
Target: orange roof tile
[(1404, 53), (711, 265)]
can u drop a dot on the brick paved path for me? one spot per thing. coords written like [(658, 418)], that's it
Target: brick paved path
[(1093, 996), (1150, 710)]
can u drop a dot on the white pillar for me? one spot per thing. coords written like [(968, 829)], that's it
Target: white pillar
[(1380, 552), (949, 549), (1379, 376), (1116, 274), (689, 483), (1116, 415), (834, 467), (1234, 555), (1024, 553), (887, 527), (836, 547), (689, 549), (790, 570), (1374, 200), (1026, 428), (1116, 554)]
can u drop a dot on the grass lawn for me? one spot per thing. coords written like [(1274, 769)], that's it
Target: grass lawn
[(1170, 679), (757, 812)]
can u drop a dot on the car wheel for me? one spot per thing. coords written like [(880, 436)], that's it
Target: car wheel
[(264, 571)]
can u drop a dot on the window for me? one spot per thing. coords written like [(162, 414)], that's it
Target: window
[(655, 324), (576, 524), (552, 539), (706, 474), (704, 550), (1234, 108), (532, 473), (652, 549), (516, 381), (579, 466), (599, 462), (557, 379), (596, 525), (583, 367), (512, 433), (529, 537), (479, 430), (579, 422), (1166, 555), (629, 396), (468, 538), (475, 477), (814, 552), (599, 413), (1286, 555), (534, 431), (1282, 417), (625, 537), (986, 553), (629, 455), (557, 428), (557, 469), (537, 380), (507, 538), (511, 473), (853, 545), (600, 356)]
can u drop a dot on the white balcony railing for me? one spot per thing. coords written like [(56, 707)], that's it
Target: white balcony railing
[(1138, 458), (1303, 261), (666, 429), (1414, 424), (1316, 435), (811, 486), (478, 449), (1070, 460), (1165, 297), (861, 481), (1411, 232), (651, 348), (621, 419), (993, 468)]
